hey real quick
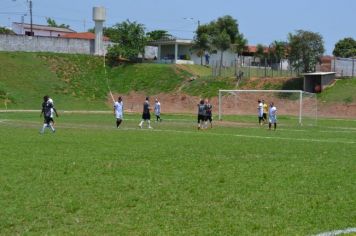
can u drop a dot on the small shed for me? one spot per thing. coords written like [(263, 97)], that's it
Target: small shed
[(173, 50), (317, 81)]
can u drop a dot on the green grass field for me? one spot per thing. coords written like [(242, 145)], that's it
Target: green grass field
[(90, 178)]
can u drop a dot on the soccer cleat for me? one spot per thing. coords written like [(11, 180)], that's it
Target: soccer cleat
[(140, 126), (150, 127)]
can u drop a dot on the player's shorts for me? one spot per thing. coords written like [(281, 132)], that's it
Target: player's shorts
[(146, 116), (208, 118), (265, 116), (201, 118), (119, 116), (47, 120), (272, 119)]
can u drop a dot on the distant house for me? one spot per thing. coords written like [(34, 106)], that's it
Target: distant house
[(250, 50), (39, 30), (83, 35), (173, 50)]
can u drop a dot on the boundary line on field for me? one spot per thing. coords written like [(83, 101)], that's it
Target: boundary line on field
[(81, 126), (337, 232), (127, 111)]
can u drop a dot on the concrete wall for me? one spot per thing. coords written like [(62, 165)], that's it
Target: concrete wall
[(326, 80), (45, 44)]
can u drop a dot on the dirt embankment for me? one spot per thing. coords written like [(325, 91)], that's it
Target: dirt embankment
[(182, 103)]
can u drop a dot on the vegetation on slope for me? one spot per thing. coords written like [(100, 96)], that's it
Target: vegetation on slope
[(343, 91), (80, 81)]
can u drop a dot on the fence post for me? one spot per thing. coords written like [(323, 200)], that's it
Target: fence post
[(249, 69), (334, 64), (265, 67), (353, 66)]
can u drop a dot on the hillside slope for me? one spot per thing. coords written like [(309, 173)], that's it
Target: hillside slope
[(79, 82)]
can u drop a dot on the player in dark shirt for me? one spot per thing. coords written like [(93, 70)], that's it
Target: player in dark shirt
[(47, 108), (146, 115), (201, 114), (208, 113)]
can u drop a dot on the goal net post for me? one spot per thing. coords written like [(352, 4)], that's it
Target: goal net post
[(296, 106)]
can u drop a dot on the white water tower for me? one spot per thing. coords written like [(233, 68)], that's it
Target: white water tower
[(99, 16)]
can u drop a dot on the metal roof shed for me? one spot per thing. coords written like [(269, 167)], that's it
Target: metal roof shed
[(317, 81)]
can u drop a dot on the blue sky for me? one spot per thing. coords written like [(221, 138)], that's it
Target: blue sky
[(261, 21)]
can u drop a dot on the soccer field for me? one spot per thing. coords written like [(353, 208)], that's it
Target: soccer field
[(90, 178)]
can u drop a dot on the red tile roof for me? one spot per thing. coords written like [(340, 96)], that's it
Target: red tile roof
[(83, 35), (253, 49)]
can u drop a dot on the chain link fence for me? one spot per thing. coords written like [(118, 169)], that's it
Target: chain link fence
[(247, 67)]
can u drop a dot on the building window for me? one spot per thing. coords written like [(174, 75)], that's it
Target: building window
[(28, 33)]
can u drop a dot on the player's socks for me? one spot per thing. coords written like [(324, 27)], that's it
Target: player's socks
[(52, 128), (141, 124), (43, 128)]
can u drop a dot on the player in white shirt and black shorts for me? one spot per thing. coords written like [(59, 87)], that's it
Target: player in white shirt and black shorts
[(119, 111)]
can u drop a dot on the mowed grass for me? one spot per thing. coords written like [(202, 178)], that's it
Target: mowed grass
[(90, 178)]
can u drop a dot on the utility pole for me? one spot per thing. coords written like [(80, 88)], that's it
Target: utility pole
[(31, 18)]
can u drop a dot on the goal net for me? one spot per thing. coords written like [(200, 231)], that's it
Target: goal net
[(293, 106)]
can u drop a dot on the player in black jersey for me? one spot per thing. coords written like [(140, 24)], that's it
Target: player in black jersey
[(146, 115), (208, 113), (47, 108), (201, 114)]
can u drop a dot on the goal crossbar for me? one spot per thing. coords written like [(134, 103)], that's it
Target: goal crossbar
[(300, 92)]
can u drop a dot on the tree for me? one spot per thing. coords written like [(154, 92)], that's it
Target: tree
[(201, 42), (277, 52), (157, 35), (53, 23), (240, 44), (225, 31), (305, 49), (345, 48), (4, 30), (130, 40), (220, 34), (261, 52)]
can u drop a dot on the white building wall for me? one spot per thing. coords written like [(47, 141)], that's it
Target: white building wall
[(228, 58)]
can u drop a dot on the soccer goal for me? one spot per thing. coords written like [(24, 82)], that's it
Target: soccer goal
[(298, 106)]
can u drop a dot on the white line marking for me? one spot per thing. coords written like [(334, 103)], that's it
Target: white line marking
[(337, 232), (85, 126)]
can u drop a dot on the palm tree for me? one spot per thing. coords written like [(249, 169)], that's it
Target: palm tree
[(278, 51), (201, 44)]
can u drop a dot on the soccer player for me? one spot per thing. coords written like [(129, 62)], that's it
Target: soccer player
[(47, 108), (260, 112), (119, 111), (265, 111), (272, 116), (50, 100), (208, 113), (158, 110), (146, 116), (201, 114)]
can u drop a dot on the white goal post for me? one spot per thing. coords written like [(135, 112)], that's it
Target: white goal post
[(290, 102)]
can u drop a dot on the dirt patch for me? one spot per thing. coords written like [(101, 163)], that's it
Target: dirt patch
[(183, 103)]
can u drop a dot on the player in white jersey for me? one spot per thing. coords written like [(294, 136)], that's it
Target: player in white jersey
[(119, 111), (157, 110), (272, 116), (260, 112)]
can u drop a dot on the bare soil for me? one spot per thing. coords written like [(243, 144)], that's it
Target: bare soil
[(182, 103)]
